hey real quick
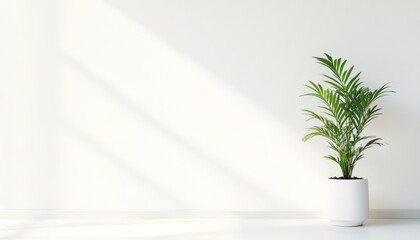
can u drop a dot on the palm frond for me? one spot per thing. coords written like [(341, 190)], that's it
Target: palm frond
[(347, 108)]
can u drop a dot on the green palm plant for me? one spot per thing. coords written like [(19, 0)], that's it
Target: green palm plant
[(347, 108)]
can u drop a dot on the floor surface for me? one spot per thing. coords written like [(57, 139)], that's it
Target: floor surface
[(226, 229)]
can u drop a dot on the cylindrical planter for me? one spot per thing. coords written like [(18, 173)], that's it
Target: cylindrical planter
[(347, 201)]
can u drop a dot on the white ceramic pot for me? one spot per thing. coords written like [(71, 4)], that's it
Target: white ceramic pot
[(347, 201)]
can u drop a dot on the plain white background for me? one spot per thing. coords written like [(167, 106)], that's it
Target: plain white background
[(194, 105)]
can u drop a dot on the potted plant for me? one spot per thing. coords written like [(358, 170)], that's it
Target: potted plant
[(347, 107)]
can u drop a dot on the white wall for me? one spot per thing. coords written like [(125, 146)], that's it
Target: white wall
[(193, 105)]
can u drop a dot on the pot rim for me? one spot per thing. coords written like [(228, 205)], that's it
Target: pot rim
[(347, 180)]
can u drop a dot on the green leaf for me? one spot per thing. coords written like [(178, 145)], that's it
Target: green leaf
[(347, 108)]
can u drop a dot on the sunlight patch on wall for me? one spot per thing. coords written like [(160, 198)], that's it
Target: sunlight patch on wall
[(177, 125)]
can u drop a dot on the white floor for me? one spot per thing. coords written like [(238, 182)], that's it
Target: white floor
[(226, 229)]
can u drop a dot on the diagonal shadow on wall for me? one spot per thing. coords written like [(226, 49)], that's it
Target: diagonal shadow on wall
[(123, 165), (202, 155)]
